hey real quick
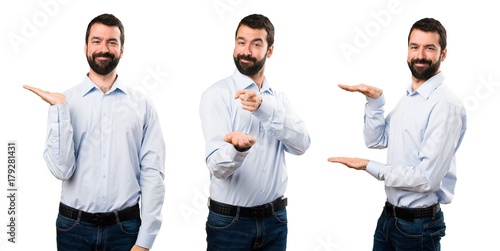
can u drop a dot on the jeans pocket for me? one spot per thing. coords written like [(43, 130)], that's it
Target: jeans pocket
[(436, 229), (219, 221), (64, 223), (281, 216), (409, 229), (130, 226)]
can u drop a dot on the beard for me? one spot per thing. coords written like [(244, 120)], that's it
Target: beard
[(424, 73), (103, 67), (246, 68)]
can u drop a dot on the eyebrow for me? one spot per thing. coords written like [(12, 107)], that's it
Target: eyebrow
[(254, 40), (100, 38), (425, 45)]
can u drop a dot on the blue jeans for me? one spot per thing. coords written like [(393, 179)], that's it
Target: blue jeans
[(420, 234), (78, 235), (235, 233)]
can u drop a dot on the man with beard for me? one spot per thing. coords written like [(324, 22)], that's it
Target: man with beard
[(248, 127), (105, 143), (422, 135)]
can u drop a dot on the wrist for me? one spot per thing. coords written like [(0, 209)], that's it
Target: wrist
[(239, 149)]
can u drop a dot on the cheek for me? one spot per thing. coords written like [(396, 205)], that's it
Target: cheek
[(236, 51), (118, 52), (90, 50), (412, 55)]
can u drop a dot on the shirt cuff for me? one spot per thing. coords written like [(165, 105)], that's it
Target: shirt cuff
[(145, 240), (58, 113), (264, 112), (376, 102), (374, 168), (236, 155)]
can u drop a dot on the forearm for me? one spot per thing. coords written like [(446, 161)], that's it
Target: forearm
[(59, 153), (152, 197), (225, 161), (280, 121), (375, 127)]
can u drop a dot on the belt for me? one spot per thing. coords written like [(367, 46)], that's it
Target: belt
[(410, 214), (255, 212), (100, 219)]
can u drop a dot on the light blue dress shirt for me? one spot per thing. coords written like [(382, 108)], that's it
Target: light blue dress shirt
[(422, 135), (108, 150), (259, 175)]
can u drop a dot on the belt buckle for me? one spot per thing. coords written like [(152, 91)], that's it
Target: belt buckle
[(98, 219), (401, 213), (259, 211)]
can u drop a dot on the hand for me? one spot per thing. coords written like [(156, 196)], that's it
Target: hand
[(355, 163), (240, 140), (369, 91), (250, 100), (49, 97), (138, 248)]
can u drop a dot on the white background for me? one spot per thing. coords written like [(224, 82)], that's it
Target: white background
[(175, 49)]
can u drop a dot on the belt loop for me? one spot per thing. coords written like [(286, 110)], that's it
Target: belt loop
[(117, 216), (79, 219), (237, 216), (272, 208), (435, 209)]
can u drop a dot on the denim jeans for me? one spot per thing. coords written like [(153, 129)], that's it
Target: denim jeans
[(393, 233), (78, 235), (235, 233)]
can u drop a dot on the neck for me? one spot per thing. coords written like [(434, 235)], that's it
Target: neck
[(258, 78), (104, 82), (416, 83)]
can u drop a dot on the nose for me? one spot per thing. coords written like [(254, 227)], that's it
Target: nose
[(103, 47), (246, 50), (420, 53)]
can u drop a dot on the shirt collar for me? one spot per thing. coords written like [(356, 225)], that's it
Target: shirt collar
[(88, 86), (427, 87), (245, 82)]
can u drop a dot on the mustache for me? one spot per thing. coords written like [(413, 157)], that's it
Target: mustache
[(249, 58), (421, 61), (105, 54)]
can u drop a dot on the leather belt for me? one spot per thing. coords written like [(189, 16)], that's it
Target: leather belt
[(255, 212), (100, 219), (410, 214)]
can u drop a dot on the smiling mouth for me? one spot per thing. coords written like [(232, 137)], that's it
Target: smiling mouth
[(103, 58), (421, 65), (245, 61)]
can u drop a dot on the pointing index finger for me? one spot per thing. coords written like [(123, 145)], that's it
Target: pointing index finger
[(238, 93)]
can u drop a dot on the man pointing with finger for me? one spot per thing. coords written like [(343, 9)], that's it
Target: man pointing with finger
[(248, 127)]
